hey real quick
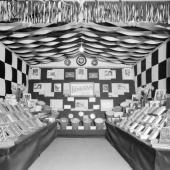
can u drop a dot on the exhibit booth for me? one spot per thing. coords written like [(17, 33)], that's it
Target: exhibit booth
[(85, 69)]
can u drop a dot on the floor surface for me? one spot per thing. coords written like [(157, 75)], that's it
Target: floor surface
[(80, 154)]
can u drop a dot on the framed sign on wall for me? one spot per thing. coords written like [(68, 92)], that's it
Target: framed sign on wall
[(82, 89)]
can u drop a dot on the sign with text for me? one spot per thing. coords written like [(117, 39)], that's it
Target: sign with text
[(82, 89)]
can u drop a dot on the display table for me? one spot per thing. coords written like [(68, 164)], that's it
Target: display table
[(140, 155), (27, 149), (81, 133)]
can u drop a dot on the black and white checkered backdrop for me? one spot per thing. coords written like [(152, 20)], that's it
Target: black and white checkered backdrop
[(12, 70), (154, 69)]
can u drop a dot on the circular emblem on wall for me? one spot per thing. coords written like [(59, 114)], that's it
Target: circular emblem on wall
[(94, 62), (81, 60), (67, 62)]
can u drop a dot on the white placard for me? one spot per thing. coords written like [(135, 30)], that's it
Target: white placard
[(67, 106), (92, 127), (70, 99), (69, 127), (80, 127), (92, 99), (96, 107)]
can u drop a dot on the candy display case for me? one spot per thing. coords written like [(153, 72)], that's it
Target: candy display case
[(144, 123), (15, 121)]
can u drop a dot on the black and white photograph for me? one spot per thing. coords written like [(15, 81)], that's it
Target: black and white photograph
[(37, 87), (107, 74), (81, 74), (57, 87), (105, 88), (84, 84), (127, 74), (35, 73)]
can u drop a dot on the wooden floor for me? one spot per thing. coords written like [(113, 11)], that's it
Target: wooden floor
[(80, 154)]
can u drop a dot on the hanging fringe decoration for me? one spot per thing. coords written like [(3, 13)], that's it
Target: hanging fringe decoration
[(54, 11)]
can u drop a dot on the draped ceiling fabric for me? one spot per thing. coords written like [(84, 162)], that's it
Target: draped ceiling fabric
[(121, 32)]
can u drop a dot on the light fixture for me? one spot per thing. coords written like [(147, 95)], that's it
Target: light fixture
[(81, 49)]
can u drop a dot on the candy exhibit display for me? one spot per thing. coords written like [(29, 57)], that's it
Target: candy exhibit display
[(16, 121)]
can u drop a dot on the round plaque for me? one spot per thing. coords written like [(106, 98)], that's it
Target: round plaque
[(94, 62), (67, 62), (81, 60)]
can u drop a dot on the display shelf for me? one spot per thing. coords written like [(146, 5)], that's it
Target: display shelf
[(146, 142), (138, 154), (144, 124), (26, 149)]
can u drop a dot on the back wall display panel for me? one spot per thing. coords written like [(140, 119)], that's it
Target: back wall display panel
[(75, 89)]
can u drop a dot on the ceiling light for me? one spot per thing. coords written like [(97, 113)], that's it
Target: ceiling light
[(81, 49)]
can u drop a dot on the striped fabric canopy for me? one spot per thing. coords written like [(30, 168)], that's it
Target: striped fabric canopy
[(118, 43)]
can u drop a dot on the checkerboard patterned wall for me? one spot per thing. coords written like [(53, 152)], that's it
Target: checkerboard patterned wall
[(154, 69), (12, 70)]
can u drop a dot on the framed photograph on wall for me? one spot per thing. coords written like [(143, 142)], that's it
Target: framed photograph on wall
[(57, 87), (160, 94), (127, 74), (37, 87), (81, 105), (105, 88), (107, 74), (35, 73), (81, 74)]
